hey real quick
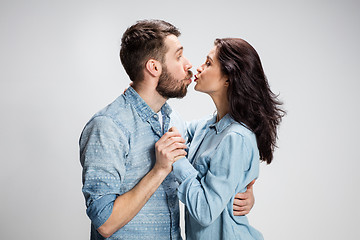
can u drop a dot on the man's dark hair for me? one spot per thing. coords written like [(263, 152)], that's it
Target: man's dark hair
[(143, 41)]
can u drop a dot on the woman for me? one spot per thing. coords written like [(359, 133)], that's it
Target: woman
[(225, 150)]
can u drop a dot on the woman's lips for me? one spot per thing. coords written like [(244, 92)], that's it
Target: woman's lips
[(195, 78)]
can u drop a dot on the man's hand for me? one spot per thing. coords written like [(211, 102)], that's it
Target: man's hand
[(168, 149), (243, 202)]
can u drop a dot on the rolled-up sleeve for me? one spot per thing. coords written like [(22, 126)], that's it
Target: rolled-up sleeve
[(206, 197), (103, 148)]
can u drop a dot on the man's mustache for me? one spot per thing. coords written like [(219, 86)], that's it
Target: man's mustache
[(189, 75)]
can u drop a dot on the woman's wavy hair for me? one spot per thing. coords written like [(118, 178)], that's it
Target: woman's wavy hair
[(252, 103)]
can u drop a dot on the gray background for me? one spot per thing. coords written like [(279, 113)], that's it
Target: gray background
[(59, 65)]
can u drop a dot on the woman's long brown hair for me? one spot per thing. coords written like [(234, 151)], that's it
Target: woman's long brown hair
[(252, 103)]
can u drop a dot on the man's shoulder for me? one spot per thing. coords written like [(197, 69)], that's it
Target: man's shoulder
[(113, 109), (117, 113)]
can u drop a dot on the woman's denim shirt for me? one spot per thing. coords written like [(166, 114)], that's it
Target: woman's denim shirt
[(223, 160)]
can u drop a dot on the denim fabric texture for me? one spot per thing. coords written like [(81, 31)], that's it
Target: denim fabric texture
[(117, 149), (223, 160)]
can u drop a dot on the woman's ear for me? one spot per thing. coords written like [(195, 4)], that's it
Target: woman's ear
[(227, 82), (153, 67)]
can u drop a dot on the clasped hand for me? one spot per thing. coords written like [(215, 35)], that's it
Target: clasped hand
[(169, 149)]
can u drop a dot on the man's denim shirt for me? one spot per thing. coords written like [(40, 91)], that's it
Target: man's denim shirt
[(117, 149)]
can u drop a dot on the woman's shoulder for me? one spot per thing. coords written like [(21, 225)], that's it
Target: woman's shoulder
[(242, 136), (240, 128), (237, 129)]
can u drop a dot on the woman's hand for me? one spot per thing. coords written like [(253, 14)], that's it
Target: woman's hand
[(168, 149), (174, 129)]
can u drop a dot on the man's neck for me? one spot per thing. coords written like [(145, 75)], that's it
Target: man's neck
[(150, 96)]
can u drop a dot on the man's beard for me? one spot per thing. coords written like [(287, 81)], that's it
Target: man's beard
[(169, 87)]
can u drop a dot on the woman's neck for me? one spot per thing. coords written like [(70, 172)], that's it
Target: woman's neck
[(222, 105)]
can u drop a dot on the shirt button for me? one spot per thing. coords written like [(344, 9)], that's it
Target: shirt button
[(158, 132), (156, 116)]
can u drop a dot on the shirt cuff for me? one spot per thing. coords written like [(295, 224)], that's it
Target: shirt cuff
[(182, 169), (100, 210)]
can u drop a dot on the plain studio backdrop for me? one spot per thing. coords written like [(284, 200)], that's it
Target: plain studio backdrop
[(59, 65)]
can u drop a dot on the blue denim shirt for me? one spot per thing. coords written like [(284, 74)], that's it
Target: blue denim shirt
[(116, 152), (224, 159)]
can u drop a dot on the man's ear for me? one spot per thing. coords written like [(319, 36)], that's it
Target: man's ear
[(153, 67)]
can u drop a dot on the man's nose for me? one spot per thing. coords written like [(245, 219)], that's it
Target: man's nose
[(188, 64)]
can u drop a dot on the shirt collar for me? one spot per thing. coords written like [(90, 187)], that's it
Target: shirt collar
[(144, 110), (222, 124), (166, 109)]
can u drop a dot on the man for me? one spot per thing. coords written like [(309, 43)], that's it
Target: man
[(130, 191)]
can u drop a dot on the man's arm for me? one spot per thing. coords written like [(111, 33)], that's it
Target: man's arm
[(127, 205), (243, 202)]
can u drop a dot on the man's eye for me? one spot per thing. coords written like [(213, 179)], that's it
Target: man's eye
[(207, 63)]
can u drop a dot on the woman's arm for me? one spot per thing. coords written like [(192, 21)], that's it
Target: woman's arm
[(208, 196)]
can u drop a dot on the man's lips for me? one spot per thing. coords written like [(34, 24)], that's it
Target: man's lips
[(189, 76)]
